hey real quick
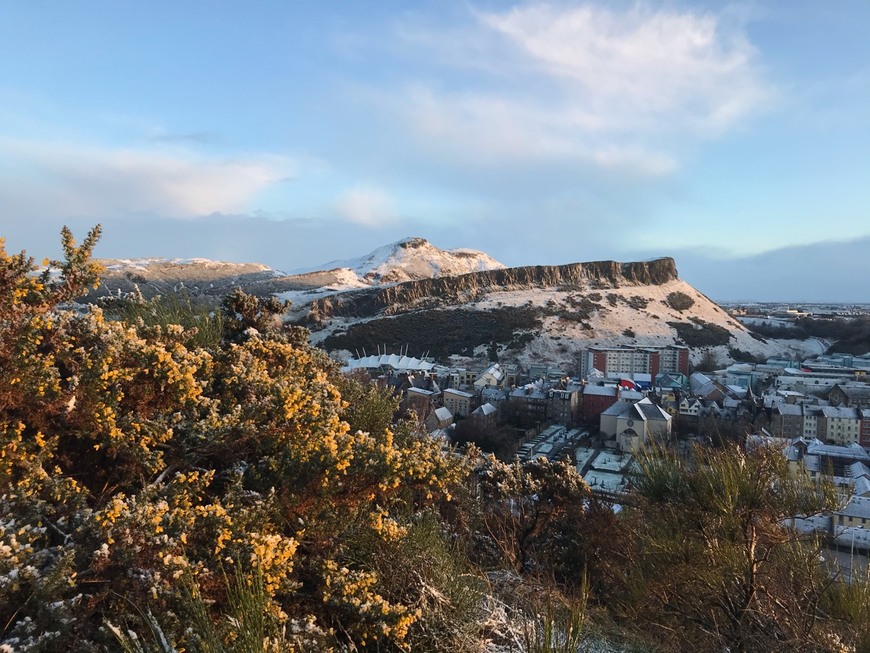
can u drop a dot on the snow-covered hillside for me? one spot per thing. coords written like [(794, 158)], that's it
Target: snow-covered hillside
[(603, 303), (573, 318), (406, 260)]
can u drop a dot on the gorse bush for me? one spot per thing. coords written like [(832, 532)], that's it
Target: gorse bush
[(174, 479), (138, 459)]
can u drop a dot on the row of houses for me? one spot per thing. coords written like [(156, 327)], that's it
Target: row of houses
[(842, 425), (847, 467)]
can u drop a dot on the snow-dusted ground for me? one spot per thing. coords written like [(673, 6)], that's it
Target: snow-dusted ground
[(411, 258), (157, 265), (560, 339)]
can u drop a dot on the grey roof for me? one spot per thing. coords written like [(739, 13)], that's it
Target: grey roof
[(443, 413), (855, 391), (618, 409), (853, 451), (858, 469), (856, 507), (840, 412), (494, 394), (600, 390), (460, 393), (789, 409), (485, 410), (651, 411)]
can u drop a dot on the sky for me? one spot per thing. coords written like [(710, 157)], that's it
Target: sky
[(732, 136)]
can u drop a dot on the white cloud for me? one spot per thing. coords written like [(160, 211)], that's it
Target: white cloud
[(368, 206), (76, 180), (608, 87)]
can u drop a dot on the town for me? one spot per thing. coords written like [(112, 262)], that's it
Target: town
[(816, 411)]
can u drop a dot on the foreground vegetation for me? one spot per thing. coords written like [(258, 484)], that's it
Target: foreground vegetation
[(173, 479)]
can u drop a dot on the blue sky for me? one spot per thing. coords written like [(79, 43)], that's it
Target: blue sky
[(733, 137)]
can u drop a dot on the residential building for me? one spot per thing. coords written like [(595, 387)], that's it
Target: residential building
[(440, 418), (531, 401), (690, 407), (617, 361), (492, 376), (852, 395), (564, 403), (864, 438), (812, 416), (787, 421), (458, 402), (596, 399), (856, 513), (839, 425), (485, 415)]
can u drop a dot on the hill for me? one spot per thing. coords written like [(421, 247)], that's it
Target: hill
[(536, 313), (413, 294)]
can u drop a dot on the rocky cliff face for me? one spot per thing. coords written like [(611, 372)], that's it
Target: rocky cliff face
[(445, 291)]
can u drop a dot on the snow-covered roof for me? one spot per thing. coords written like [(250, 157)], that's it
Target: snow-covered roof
[(793, 410), (600, 390), (443, 414), (840, 412), (853, 537), (649, 410), (853, 451), (856, 508), (617, 409), (485, 410)]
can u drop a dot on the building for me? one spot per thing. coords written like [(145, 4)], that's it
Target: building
[(856, 513), (671, 381), (690, 407), (850, 395), (812, 416), (839, 425), (458, 402), (787, 421), (440, 418), (596, 399), (633, 425), (484, 415), (618, 361), (389, 363), (492, 376), (564, 403), (864, 438), (531, 401)]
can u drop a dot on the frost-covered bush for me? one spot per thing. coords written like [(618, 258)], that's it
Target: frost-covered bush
[(140, 464)]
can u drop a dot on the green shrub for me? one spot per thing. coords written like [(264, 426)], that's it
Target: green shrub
[(680, 301), (701, 334)]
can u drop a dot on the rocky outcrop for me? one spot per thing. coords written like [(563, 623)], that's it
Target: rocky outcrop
[(444, 291)]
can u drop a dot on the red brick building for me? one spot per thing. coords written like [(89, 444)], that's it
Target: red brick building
[(864, 437), (617, 361), (596, 399)]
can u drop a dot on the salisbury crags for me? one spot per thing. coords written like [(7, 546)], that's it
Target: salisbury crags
[(465, 288)]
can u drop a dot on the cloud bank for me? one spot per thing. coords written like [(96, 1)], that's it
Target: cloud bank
[(615, 88), (86, 180)]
